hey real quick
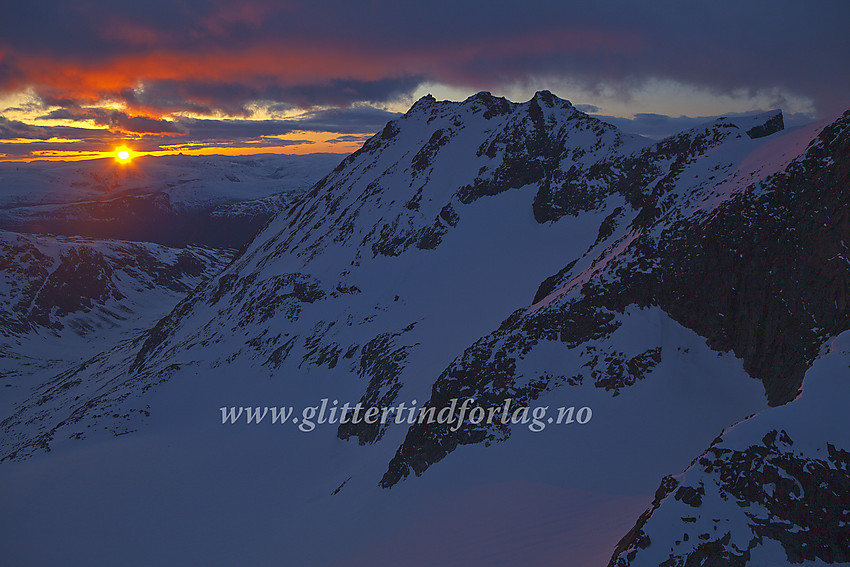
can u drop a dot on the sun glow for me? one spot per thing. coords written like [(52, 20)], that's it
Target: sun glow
[(122, 155)]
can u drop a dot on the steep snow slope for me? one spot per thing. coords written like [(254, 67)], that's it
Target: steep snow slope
[(413, 272)]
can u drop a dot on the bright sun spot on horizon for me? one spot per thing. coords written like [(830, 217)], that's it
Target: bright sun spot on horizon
[(122, 155)]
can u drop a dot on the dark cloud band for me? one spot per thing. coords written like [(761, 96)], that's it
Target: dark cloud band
[(163, 60)]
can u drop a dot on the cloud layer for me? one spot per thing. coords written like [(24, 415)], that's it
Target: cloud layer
[(156, 61)]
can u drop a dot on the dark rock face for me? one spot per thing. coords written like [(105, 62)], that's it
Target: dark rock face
[(617, 371), (82, 278), (763, 275), (422, 160), (28, 268), (759, 276), (800, 502), (772, 126), (647, 177), (381, 360), (533, 150)]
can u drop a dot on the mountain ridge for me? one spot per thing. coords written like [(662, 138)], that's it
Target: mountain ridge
[(494, 250)]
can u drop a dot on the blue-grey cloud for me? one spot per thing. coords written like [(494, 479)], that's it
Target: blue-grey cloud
[(340, 52), (589, 108), (200, 97), (348, 121)]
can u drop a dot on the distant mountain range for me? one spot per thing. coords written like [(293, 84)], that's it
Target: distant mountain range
[(487, 251), (215, 201)]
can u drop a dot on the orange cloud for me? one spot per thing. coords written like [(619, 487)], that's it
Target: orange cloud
[(279, 63)]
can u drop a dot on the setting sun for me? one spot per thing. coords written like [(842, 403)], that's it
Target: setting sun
[(123, 155)]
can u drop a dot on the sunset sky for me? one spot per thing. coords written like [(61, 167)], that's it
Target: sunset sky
[(79, 79)]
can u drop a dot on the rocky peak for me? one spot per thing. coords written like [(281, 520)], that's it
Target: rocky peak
[(547, 99), (423, 102), (489, 104), (770, 123)]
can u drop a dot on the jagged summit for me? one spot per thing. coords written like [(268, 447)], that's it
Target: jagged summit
[(423, 101), (491, 105), (442, 156), (754, 125)]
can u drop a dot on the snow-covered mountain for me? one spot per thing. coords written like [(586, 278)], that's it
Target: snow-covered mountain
[(63, 299), (772, 490), (484, 250), (216, 201)]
